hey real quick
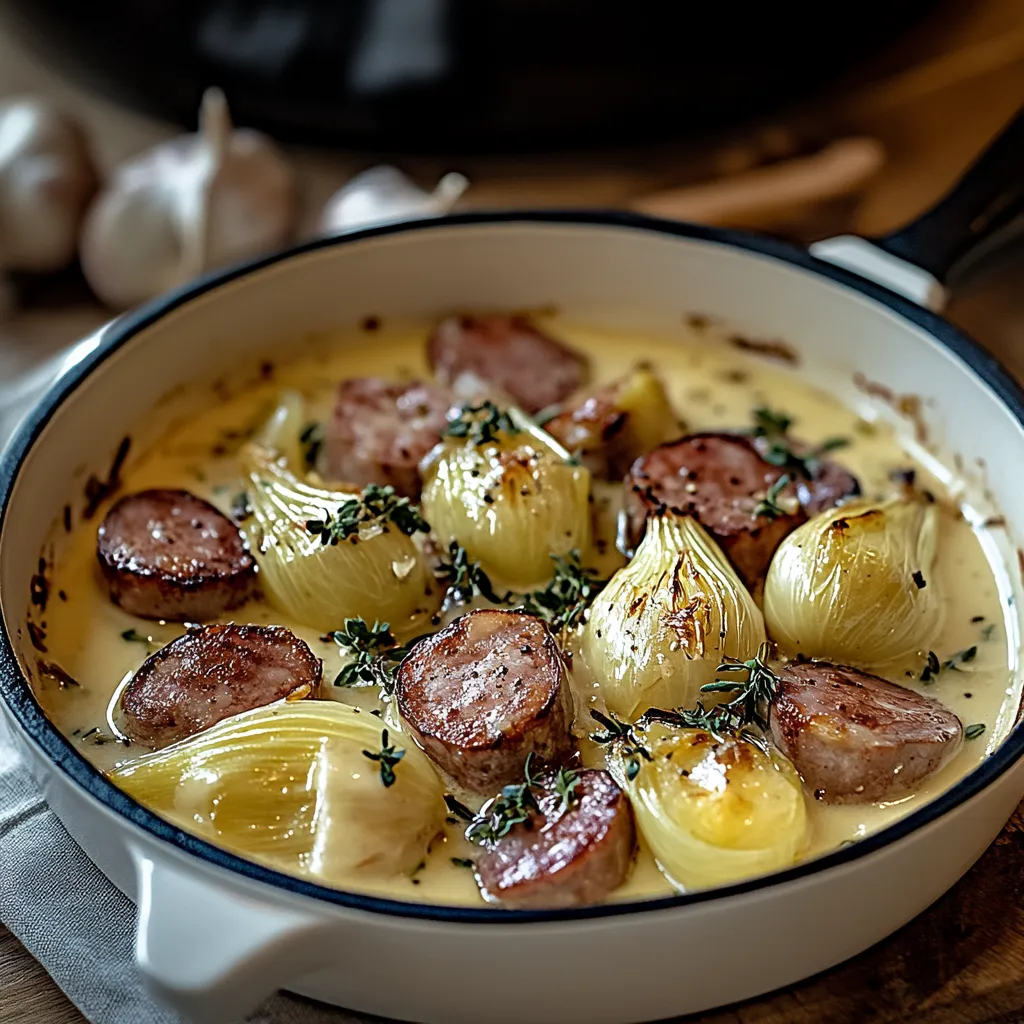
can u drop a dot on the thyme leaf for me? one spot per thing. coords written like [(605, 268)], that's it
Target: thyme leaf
[(564, 601), (481, 424), (377, 654), (779, 449), (465, 579), (376, 505), (312, 441), (625, 733), (972, 732), (769, 506), (387, 757)]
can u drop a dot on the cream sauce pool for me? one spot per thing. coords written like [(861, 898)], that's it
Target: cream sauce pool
[(712, 387)]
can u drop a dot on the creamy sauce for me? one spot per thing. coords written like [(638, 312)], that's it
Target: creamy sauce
[(712, 387)]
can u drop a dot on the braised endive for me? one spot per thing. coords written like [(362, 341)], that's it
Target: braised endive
[(507, 493), (327, 556), (310, 787), (712, 809), (664, 622), (855, 584)]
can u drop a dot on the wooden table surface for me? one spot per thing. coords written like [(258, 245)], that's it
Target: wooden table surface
[(962, 961)]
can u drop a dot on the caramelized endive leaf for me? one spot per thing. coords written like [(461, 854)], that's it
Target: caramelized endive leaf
[(290, 785)]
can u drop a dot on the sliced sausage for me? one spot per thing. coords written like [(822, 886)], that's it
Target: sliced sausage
[(509, 352), (381, 430), (563, 856), (485, 692), (211, 673), (856, 738), (719, 479), (167, 554), (589, 429)]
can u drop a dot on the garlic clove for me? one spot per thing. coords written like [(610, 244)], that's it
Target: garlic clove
[(187, 205), (383, 194), (46, 179)]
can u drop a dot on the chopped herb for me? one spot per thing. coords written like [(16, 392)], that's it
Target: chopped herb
[(972, 732), (481, 423), (388, 756), (564, 601), (617, 731), (457, 808), (463, 862), (567, 781), (376, 505), (241, 507), (312, 441), (986, 633), (960, 658), (465, 579), (978, 618), (511, 807), (779, 451), (135, 637), (932, 667), (377, 654), (769, 506), (92, 732), (918, 577)]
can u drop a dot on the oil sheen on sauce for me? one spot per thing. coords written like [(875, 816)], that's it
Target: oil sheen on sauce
[(712, 386)]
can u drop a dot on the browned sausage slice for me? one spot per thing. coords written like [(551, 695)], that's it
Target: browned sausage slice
[(509, 352), (381, 430), (589, 429), (484, 693), (167, 554), (563, 857), (856, 738), (211, 673), (719, 479)]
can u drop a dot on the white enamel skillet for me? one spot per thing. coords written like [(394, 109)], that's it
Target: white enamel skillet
[(216, 933)]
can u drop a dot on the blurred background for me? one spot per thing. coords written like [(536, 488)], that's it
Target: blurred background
[(775, 121)]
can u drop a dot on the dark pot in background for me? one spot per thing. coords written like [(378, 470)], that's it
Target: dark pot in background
[(460, 74)]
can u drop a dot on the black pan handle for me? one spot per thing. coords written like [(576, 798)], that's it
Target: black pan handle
[(985, 201)]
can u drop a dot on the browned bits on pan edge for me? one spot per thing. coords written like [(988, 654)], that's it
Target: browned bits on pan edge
[(774, 348)]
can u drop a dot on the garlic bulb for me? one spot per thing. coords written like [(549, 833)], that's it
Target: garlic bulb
[(290, 785), (46, 180), (855, 585), (512, 499), (384, 193), (186, 206), (713, 811), (665, 621)]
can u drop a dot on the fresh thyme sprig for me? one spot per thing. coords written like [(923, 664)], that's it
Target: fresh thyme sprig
[(754, 692), (769, 506), (516, 803), (377, 654), (465, 579), (481, 423), (375, 505), (624, 733), (312, 440), (779, 451), (387, 757), (564, 601)]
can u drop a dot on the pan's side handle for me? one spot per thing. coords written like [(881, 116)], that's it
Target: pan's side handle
[(212, 954), (983, 207)]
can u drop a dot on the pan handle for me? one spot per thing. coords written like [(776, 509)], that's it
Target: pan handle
[(981, 207)]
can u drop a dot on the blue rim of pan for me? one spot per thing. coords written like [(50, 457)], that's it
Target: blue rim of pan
[(15, 691)]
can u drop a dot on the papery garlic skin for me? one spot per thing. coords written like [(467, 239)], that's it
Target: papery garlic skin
[(855, 585), (714, 810), (46, 179), (384, 193), (379, 574), (511, 503), (289, 785), (186, 206), (667, 620)]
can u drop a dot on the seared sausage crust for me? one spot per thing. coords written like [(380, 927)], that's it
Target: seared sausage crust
[(563, 857), (508, 352), (485, 692), (166, 554), (382, 430), (719, 480), (211, 673), (857, 738)]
